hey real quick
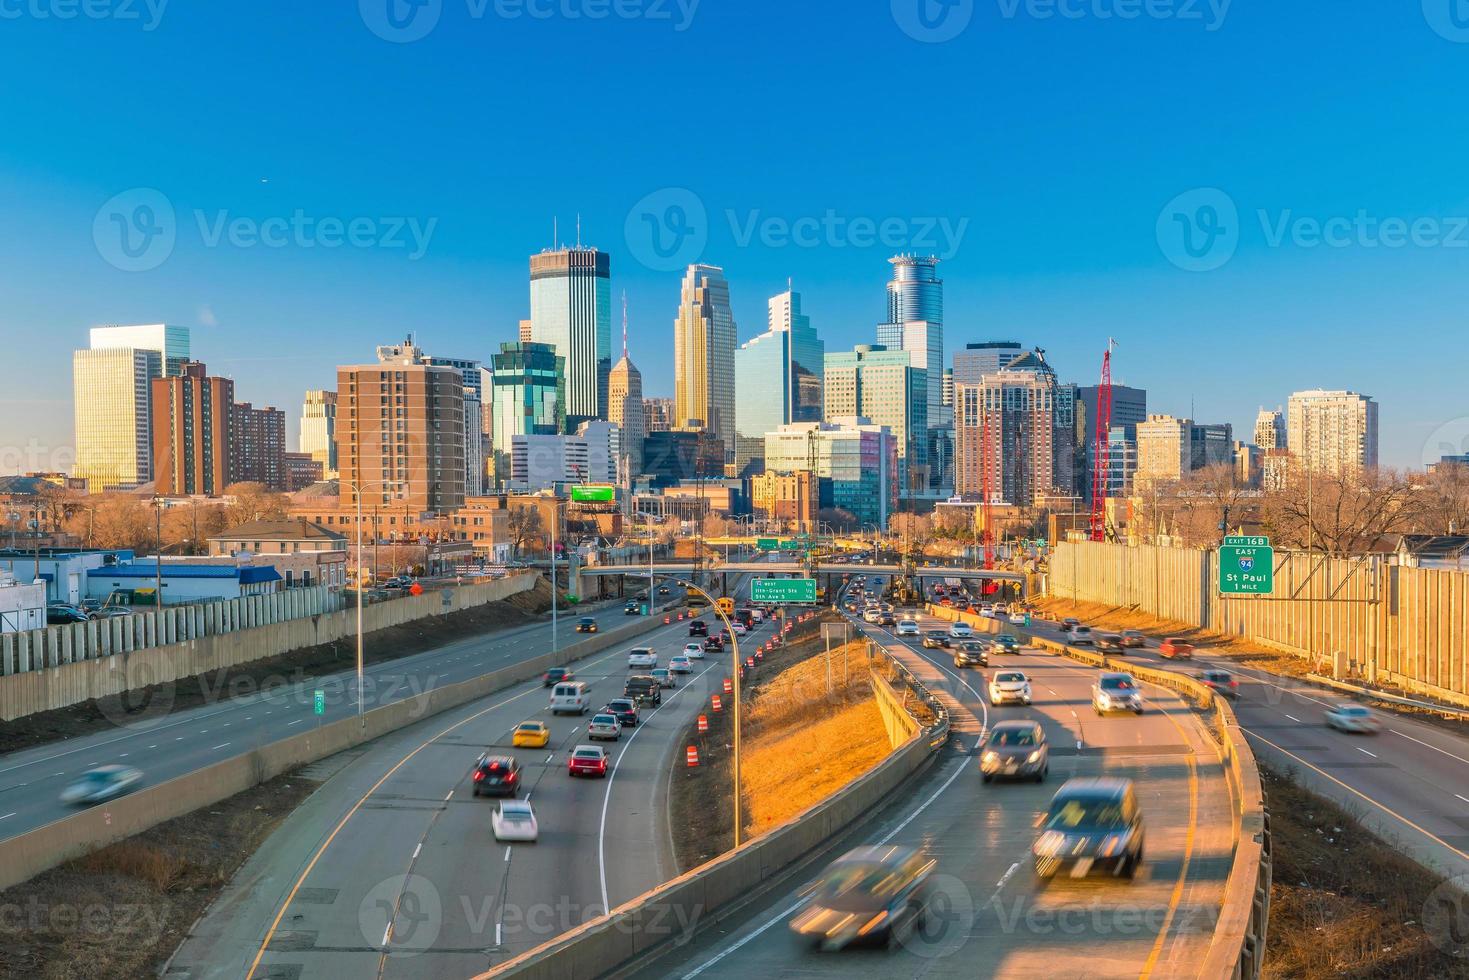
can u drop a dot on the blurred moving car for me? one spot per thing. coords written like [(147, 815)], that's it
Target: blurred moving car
[(556, 675), (1115, 691), (1353, 718), (935, 639), (1174, 648), (1133, 638), (101, 784), (1005, 643), (642, 657), (1009, 685), (573, 697), (531, 735), (697, 627), (664, 677), (1015, 750), (632, 608), (1019, 616), (871, 894), (515, 821), (1091, 823), (1220, 682), (586, 625), (663, 590), (604, 726), (587, 760), (1081, 636), (495, 775), (680, 665), (1069, 623), (1110, 643), (961, 631), (908, 627), (972, 653)]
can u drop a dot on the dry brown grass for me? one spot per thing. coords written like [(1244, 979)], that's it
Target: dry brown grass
[(1343, 902)]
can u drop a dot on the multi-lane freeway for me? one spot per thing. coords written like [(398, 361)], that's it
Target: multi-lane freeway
[(994, 916)]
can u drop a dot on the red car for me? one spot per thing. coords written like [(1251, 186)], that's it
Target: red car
[(587, 760), (1175, 649)]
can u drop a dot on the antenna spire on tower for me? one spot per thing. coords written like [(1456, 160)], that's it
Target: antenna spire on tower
[(624, 324), (578, 229)]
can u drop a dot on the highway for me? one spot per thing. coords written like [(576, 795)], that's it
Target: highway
[(993, 916), (391, 869), (1410, 781), (167, 744)]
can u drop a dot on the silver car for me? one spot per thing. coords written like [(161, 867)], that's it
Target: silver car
[(604, 726), (1116, 691), (101, 784), (1353, 718)]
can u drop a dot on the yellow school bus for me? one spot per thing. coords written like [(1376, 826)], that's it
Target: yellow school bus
[(725, 604)]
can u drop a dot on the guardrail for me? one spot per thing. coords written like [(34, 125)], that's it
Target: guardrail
[(1373, 694), (1237, 950), (28, 854)]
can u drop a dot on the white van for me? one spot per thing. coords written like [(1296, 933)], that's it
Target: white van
[(573, 697)]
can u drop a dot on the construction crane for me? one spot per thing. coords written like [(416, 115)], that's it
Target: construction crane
[(1101, 447)]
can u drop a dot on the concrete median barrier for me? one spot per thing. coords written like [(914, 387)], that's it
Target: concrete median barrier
[(28, 854)]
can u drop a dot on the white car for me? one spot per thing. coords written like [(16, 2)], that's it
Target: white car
[(514, 820), (738, 627), (987, 610), (871, 614), (604, 726), (642, 657), (680, 665), (693, 651), (102, 783), (1009, 685), (961, 631), (907, 627), (1353, 718), (1017, 617)]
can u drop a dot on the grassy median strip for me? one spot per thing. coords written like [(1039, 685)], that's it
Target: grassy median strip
[(1345, 904), (121, 912)]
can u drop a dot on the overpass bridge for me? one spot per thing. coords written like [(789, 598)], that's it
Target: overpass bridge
[(800, 569)]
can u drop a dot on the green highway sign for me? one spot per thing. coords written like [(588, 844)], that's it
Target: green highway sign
[(318, 702), (1246, 566), (783, 591), (593, 494), (767, 544)]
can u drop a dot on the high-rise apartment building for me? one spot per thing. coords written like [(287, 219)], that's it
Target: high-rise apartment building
[(948, 388), (400, 434), (171, 343), (1332, 431), (258, 446), (476, 436), (987, 357), (318, 436), (1169, 448), (1270, 429), (791, 497), (887, 388), (528, 396), (112, 399), (704, 355), (625, 410), (1015, 434), (778, 377), (192, 432), (915, 320), (854, 461), (571, 309)]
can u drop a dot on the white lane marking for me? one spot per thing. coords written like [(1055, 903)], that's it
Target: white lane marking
[(388, 931), (1006, 876), (551, 756), (416, 850), (784, 914), (123, 756), (1365, 752), (507, 853), (451, 793), (497, 933), (9, 815), (221, 745), (1464, 798), (152, 746), (296, 722), (1428, 746), (1295, 719)]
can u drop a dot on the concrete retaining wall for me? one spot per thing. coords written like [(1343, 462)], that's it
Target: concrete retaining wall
[(29, 854), (126, 654)]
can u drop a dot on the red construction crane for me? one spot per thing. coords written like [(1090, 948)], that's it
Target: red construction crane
[(1101, 447)]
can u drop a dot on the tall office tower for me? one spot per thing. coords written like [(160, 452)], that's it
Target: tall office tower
[(112, 398), (777, 378), (400, 433), (1015, 431), (915, 320), (571, 309), (885, 387), (471, 376), (1169, 448), (171, 343), (625, 410), (1270, 429), (703, 355), (528, 397), (258, 446), (657, 414), (192, 443), (948, 387), (976, 360), (854, 462), (319, 429), (1332, 431)]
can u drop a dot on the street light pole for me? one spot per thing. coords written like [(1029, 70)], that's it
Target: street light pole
[(734, 642)]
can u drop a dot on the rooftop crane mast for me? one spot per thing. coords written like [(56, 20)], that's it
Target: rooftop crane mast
[(1101, 448)]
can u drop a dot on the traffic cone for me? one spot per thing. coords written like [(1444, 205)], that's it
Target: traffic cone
[(693, 757)]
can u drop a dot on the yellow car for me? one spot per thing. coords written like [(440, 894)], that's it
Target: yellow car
[(532, 735)]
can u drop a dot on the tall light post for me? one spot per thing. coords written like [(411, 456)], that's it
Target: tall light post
[(357, 490), (158, 504), (648, 528), (734, 642)]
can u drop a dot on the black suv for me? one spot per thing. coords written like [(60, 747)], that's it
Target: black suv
[(643, 689), (586, 625), (632, 608), (496, 775), (697, 627), (972, 653), (626, 711)]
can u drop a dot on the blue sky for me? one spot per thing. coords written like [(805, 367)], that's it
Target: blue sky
[(1067, 153)]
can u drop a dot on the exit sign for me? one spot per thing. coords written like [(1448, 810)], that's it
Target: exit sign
[(318, 702), (783, 591), (1246, 566)]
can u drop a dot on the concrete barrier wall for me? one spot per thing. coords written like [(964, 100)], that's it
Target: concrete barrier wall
[(900, 725), (1382, 622), (123, 662), (26, 855)]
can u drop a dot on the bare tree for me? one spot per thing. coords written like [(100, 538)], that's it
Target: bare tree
[(1443, 496), (525, 526), (1341, 513), (254, 502)]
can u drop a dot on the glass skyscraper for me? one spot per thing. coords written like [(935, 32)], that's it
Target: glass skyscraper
[(885, 387), (778, 378), (527, 383), (915, 320), (571, 309), (703, 355)]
